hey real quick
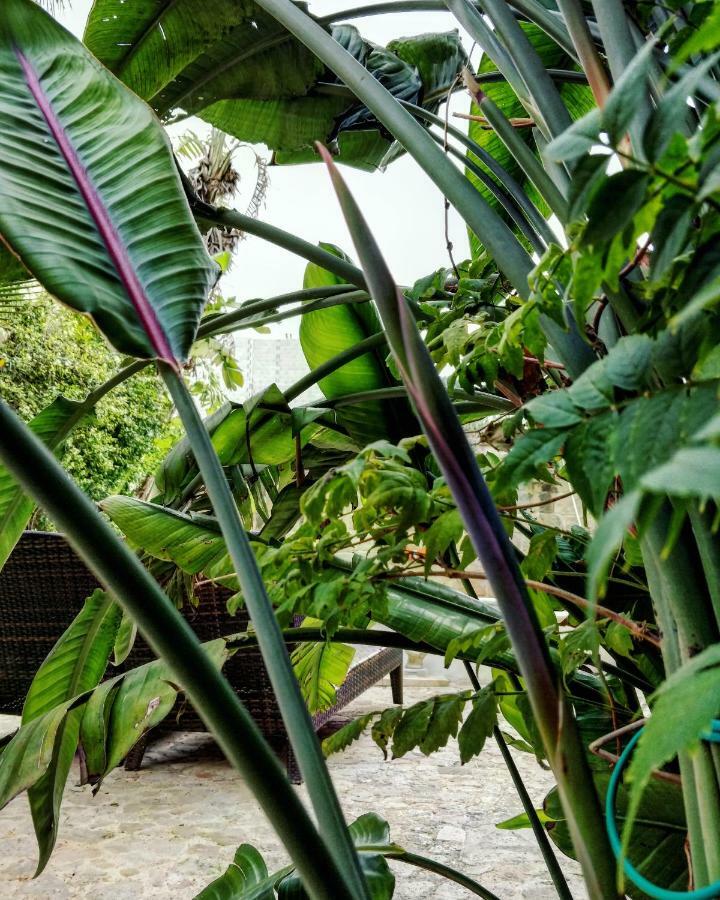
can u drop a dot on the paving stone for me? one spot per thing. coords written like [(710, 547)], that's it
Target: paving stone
[(166, 831)]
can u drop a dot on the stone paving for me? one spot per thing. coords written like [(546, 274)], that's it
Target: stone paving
[(166, 831)]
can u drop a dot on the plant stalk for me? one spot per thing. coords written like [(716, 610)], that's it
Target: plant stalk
[(546, 99), (42, 477), (457, 462), (585, 48), (678, 596), (520, 151)]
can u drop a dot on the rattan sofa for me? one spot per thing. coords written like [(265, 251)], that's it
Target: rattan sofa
[(42, 587)]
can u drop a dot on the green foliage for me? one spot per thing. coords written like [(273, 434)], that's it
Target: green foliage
[(600, 371), (66, 706), (320, 668), (75, 665), (247, 878), (50, 352), (426, 726), (148, 283)]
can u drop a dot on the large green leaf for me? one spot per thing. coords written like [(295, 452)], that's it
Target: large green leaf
[(124, 708), (90, 199), (178, 55), (75, 665), (320, 668), (51, 426), (192, 542), (26, 758), (417, 69), (578, 99), (326, 332), (657, 847)]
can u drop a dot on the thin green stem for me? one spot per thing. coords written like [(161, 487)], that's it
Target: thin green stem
[(275, 656), (249, 320), (438, 868), (334, 363), (543, 842), (173, 640), (520, 151), (709, 551), (508, 203), (220, 323), (480, 401), (473, 22)]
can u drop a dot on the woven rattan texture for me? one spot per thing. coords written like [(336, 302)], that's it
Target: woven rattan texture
[(42, 587)]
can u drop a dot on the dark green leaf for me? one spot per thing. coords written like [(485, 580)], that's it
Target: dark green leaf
[(75, 665), (479, 724), (614, 204), (348, 734), (533, 449), (64, 172), (628, 94), (590, 457)]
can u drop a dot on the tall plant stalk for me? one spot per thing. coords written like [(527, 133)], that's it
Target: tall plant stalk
[(683, 610), (456, 460), (585, 48), (173, 640), (275, 656), (553, 115)]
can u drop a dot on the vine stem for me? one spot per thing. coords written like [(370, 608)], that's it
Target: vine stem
[(272, 647), (601, 612), (432, 865)]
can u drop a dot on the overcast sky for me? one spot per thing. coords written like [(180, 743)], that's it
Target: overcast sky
[(402, 205)]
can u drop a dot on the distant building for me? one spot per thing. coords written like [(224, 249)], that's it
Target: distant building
[(272, 360)]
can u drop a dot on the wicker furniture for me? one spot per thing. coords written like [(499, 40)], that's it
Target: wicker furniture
[(42, 587)]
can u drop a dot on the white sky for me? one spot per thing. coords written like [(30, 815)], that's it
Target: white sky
[(402, 205)]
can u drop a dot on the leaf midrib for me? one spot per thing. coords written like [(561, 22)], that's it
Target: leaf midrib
[(98, 212)]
